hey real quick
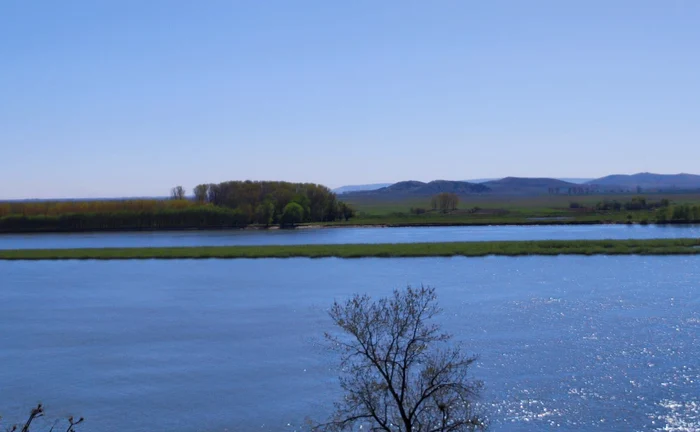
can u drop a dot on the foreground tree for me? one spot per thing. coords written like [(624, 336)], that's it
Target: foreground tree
[(38, 412), (399, 372)]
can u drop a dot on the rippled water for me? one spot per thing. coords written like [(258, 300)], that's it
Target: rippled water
[(582, 343), (345, 235)]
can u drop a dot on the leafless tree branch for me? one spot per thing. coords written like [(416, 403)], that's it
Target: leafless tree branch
[(396, 374)]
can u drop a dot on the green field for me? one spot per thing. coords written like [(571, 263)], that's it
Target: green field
[(468, 249), (506, 209)]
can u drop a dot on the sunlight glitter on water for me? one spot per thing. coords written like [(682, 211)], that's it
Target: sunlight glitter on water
[(572, 343), (678, 416)]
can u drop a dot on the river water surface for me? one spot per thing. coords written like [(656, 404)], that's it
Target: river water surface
[(578, 343), (345, 235)]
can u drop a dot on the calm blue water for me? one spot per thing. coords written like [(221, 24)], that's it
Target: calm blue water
[(344, 235), (582, 343)]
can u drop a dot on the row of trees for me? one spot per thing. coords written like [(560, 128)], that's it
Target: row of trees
[(444, 202), (636, 203), (202, 217), (55, 208), (575, 190), (662, 209), (679, 213)]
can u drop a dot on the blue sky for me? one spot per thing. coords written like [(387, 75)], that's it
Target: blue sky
[(130, 97)]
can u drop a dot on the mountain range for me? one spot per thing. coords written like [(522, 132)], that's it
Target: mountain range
[(375, 186), (648, 182), (434, 187), (651, 181)]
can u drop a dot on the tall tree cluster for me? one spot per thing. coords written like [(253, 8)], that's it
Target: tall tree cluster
[(265, 202)]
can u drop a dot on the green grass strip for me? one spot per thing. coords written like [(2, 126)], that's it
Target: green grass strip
[(467, 249)]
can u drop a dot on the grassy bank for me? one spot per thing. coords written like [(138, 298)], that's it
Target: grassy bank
[(469, 249)]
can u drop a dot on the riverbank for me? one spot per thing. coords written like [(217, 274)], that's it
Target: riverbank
[(467, 249), (518, 222), (340, 225)]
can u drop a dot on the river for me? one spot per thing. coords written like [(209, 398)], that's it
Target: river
[(344, 235), (579, 343)]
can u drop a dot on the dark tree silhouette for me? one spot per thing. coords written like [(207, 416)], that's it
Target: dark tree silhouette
[(38, 412), (399, 372)]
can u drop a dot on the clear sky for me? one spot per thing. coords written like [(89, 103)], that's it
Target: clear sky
[(131, 97)]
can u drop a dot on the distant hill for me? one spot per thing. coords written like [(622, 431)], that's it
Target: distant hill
[(650, 181), (526, 185), (481, 180), (417, 188), (570, 180), (575, 180), (358, 188), (375, 186)]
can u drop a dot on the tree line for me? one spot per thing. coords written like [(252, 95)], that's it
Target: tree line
[(444, 202), (679, 213), (168, 219), (662, 209), (223, 205), (636, 203), (56, 208), (268, 202)]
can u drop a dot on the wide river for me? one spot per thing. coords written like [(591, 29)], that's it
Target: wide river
[(573, 343), (344, 235)]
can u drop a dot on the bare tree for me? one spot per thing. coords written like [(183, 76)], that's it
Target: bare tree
[(37, 412), (399, 372), (177, 193)]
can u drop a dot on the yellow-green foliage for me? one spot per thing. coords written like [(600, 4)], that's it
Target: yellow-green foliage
[(57, 208)]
